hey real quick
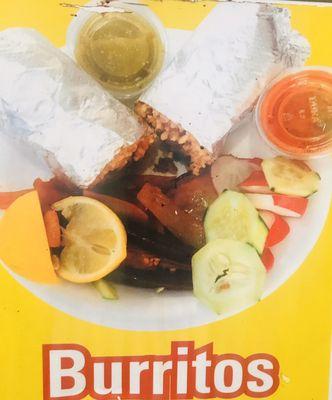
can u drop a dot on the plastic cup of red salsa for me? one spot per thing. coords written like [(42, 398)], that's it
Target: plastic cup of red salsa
[(294, 113)]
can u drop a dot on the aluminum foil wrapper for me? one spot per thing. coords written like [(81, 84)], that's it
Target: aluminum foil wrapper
[(47, 101), (221, 70)]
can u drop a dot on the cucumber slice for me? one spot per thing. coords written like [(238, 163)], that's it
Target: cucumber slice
[(106, 289), (228, 275), (233, 216), (290, 177)]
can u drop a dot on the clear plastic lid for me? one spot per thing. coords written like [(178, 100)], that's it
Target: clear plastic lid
[(294, 114)]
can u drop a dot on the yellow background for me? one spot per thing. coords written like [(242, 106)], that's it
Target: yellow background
[(294, 323)]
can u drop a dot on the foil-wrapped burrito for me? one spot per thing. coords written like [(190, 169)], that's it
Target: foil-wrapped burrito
[(47, 101), (218, 75)]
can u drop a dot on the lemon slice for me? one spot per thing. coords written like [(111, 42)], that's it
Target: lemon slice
[(94, 240)]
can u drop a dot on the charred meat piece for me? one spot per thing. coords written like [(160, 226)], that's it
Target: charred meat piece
[(159, 278), (163, 245), (166, 165), (194, 194), (143, 260), (124, 209), (136, 182), (184, 226)]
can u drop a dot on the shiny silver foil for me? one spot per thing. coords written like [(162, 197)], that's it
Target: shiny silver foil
[(48, 102)]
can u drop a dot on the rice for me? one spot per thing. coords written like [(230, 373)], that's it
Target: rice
[(126, 154), (168, 131)]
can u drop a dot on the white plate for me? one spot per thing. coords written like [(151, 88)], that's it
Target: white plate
[(143, 309)]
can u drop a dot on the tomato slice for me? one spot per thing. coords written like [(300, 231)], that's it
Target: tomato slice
[(267, 259)]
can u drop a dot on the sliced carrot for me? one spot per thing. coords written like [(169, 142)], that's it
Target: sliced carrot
[(7, 198), (123, 208), (53, 230), (49, 193)]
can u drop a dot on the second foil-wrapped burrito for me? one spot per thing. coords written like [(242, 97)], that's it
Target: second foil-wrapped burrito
[(47, 101), (218, 75)]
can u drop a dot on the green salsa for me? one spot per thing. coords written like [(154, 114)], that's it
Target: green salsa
[(123, 51)]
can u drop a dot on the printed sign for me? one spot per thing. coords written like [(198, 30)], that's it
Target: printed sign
[(165, 197)]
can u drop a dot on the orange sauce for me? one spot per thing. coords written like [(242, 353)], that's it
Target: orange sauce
[(295, 114)]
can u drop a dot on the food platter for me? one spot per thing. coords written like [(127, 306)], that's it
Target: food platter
[(143, 309), (150, 309)]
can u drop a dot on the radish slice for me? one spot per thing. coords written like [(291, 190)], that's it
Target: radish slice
[(256, 183), (297, 204), (228, 172), (267, 258), (278, 228), (268, 217), (280, 204), (257, 161)]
